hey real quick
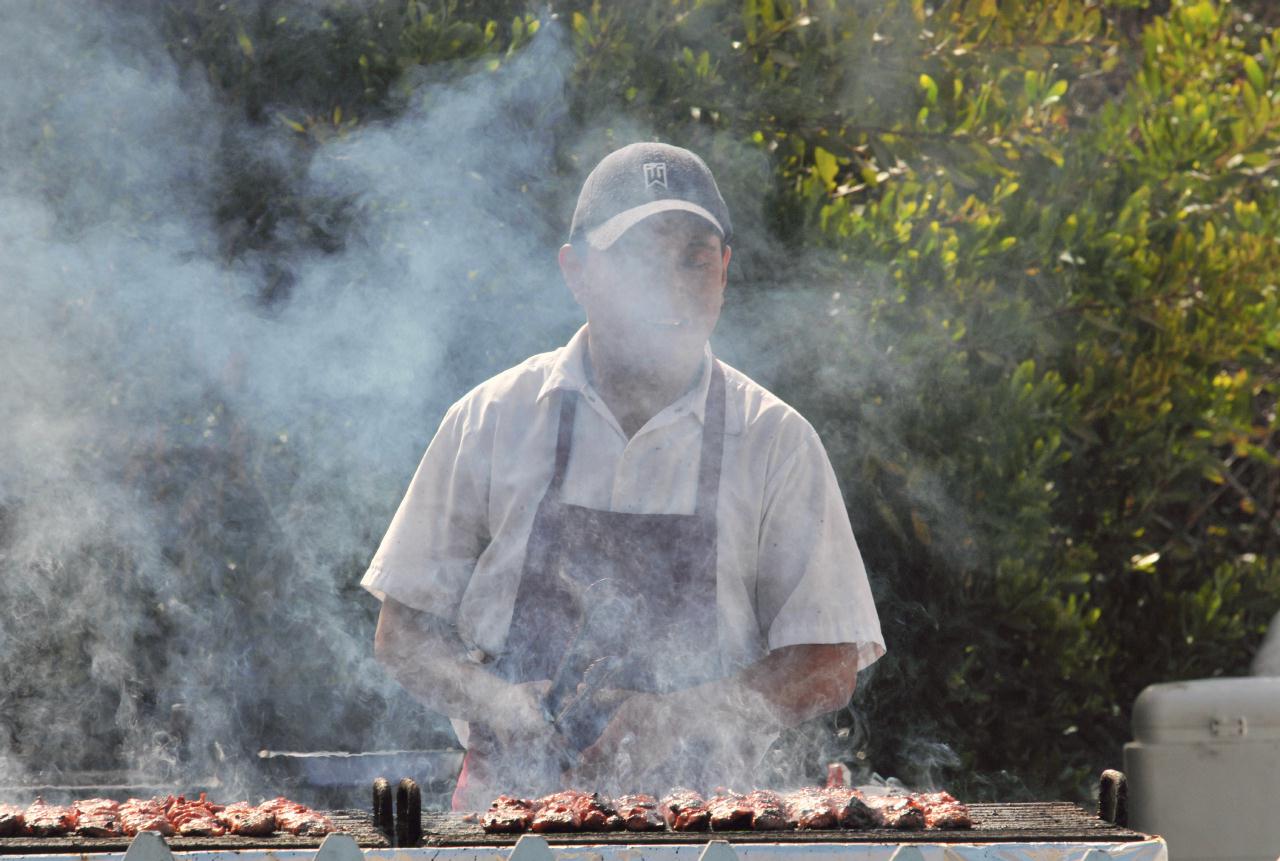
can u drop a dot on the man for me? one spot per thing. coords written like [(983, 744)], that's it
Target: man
[(623, 563)]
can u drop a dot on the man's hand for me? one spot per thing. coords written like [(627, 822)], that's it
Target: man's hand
[(518, 717), (651, 731), (644, 733)]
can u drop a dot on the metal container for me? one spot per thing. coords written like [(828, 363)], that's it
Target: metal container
[(1204, 768)]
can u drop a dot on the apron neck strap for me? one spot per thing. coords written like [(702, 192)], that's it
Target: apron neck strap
[(712, 443), (564, 441)]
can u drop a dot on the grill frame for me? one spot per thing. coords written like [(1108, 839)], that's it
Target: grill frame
[(1029, 822)]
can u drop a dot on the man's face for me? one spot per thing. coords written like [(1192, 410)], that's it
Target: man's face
[(656, 293)]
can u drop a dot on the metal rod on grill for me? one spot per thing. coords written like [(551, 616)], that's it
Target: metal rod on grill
[(383, 819), (408, 813), (1113, 797)]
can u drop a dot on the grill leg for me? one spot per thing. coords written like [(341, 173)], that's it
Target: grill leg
[(148, 846), (339, 847), (718, 850), (531, 847)]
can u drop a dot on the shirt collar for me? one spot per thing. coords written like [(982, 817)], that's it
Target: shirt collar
[(569, 372)]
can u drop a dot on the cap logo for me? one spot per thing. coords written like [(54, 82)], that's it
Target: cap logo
[(655, 173)]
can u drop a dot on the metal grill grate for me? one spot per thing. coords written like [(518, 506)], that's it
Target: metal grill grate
[(358, 824), (1056, 821)]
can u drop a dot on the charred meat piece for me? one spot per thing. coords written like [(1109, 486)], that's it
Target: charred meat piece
[(639, 813), (851, 811), (809, 810), (246, 820), (574, 810), (895, 811), (98, 817), (296, 818), (144, 814), (12, 822), (49, 820), (730, 811), (508, 815), (556, 813), (942, 810), (198, 818), (768, 812), (685, 810)]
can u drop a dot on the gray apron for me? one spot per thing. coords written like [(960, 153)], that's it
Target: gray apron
[(638, 589)]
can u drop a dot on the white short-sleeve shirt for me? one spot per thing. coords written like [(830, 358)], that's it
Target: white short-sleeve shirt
[(788, 568)]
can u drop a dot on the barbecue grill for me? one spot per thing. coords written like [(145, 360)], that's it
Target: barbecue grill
[(1045, 831)]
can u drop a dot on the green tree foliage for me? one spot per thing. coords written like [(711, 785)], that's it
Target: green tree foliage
[(1033, 245)]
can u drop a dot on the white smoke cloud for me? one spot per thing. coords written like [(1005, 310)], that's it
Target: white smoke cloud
[(193, 476)]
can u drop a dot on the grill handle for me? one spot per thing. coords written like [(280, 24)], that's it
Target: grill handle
[(1113, 798), (408, 813)]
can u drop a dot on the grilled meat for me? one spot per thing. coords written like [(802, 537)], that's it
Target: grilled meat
[(49, 820), (97, 817), (507, 815), (246, 820), (850, 809), (144, 814), (198, 818), (12, 822), (768, 812), (639, 813), (730, 811), (942, 810), (557, 812), (685, 810), (809, 810), (895, 811), (574, 810), (296, 818)]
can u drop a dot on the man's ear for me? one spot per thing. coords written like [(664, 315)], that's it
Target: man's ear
[(572, 265), (724, 270)]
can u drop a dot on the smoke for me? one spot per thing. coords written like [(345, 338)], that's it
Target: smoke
[(207, 434), (201, 449)]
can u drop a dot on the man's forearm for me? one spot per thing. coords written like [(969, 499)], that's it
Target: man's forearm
[(431, 663), (782, 689)]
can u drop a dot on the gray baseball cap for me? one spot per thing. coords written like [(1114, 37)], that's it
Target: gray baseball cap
[(642, 179)]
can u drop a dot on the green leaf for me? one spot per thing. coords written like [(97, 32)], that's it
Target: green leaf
[(826, 165), (930, 89), (1254, 72)]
